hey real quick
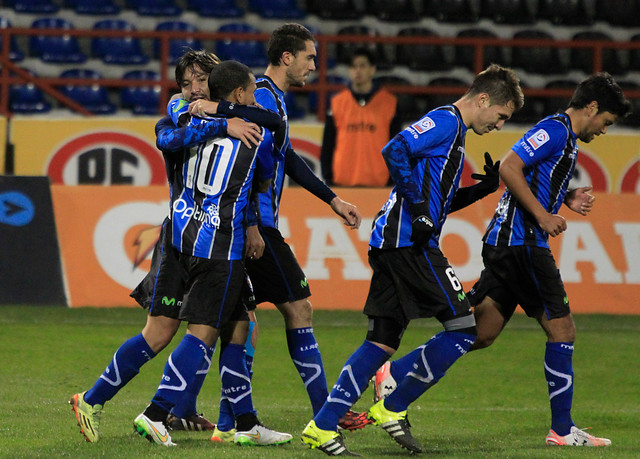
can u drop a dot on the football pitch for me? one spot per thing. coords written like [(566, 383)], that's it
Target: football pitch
[(492, 403)]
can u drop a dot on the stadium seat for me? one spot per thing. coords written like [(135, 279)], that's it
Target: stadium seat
[(216, 8), (58, 48), (511, 11), (35, 6), (634, 54), (294, 110), (335, 9), (154, 7), (625, 13), (465, 55), (394, 10), (93, 97), (409, 107), (177, 46), (93, 7), (345, 50), (420, 56), (250, 52), (28, 99), (634, 117), (569, 12), (277, 9), (554, 104), (454, 10), (537, 59), (532, 111), (117, 50), (582, 59), (438, 100), (14, 52), (141, 100)]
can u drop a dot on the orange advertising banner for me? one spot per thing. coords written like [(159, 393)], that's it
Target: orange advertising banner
[(107, 236)]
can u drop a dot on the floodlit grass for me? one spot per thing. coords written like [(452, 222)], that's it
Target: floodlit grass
[(492, 403)]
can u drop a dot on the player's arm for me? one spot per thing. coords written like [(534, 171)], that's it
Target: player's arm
[(489, 182), (261, 116), (169, 138), (512, 173), (580, 200), (296, 168), (328, 147)]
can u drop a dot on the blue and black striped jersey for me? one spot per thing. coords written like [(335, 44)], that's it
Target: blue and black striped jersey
[(425, 161), (210, 195), (549, 151)]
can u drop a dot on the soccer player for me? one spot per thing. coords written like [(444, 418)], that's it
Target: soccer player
[(277, 276), (210, 197), (519, 267), (161, 290), (411, 277)]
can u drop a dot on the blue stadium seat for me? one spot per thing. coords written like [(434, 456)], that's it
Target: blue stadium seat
[(93, 7), (154, 7), (93, 97), (141, 100), (35, 6), (177, 46), (15, 54), (27, 98), (55, 49), (277, 9), (250, 52), (216, 8), (117, 50)]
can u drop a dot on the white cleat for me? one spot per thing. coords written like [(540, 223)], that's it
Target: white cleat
[(260, 435), (383, 382), (577, 437), (154, 431)]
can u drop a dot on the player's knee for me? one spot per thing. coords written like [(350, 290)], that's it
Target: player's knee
[(297, 313), (482, 341), (385, 331)]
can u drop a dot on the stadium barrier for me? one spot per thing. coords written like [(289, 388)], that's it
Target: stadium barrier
[(107, 235), (30, 270)]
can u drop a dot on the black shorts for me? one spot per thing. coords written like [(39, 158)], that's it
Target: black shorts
[(277, 276), (408, 283), (213, 291), (162, 288), (521, 275)]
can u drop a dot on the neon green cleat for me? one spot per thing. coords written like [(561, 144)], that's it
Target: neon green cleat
[(88, 417), (222, 436), (154, 431), (328, 441), (396, 425)]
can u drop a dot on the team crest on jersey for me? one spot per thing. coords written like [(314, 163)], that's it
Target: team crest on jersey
[(423, 125), (538, 139)]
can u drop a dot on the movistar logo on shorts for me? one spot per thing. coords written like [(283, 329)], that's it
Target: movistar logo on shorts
[(168, 301), (461, 296), (304, 283), (566, 300)]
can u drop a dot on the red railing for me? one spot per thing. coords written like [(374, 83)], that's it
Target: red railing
[(12, 73)]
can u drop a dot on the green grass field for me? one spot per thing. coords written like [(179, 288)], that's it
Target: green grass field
[(492, 403)]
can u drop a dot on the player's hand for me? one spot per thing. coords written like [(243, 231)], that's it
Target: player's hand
[(422, 226), (254, 244), (350, 214), (553, 224), (580, 200), (202, 107), (490, 180), (249, 133)]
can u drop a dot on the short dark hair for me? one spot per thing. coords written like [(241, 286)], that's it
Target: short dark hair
[(363, 52), (602, 88), (288, 37), (227, 76), (203, 59), (501, 83)]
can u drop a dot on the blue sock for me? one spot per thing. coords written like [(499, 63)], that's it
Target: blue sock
[(179, 372), (399, 368), (304, 352), (124, 366), (187, 406), (226, 421), (558, 370), (439, 353), (236, 385), (249, 350), (354, 377)]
